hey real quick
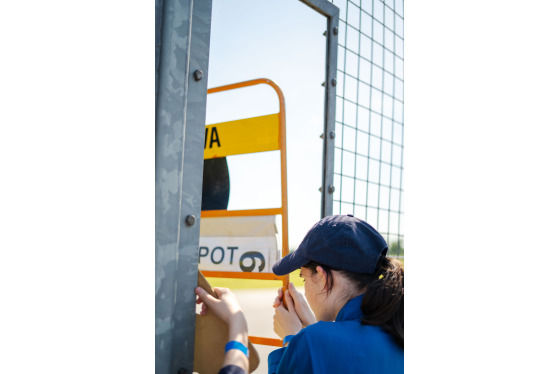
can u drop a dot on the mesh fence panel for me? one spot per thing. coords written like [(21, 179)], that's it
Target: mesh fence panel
[(368, 164)]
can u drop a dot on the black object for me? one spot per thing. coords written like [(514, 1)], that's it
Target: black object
[(215, 184)]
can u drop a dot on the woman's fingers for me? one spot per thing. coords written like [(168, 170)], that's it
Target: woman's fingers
[(289, 301), (278, 299), (296, 295), (286, 322), (221, 291), (278, 320), (301, 306), (204, 309), (204, 296)]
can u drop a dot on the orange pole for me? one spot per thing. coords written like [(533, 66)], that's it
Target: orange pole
[(265, 341), (240, 213), (243, 275), (284, 176)]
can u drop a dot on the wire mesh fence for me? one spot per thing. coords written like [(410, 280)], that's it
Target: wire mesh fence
[(368, 164)]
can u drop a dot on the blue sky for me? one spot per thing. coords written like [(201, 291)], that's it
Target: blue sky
[(288, 48)]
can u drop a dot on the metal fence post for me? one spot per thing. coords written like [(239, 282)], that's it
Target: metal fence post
[(182, 47), (331, 12)]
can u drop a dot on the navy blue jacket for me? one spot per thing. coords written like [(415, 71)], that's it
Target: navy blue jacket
[(343, 346)]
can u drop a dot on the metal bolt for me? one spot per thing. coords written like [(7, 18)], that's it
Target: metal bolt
[(331, 189), (320, 189), (325, 33), (198, 75), (323, 84), (190, 220), (335, 31), (332, 134), (333, 82), (322, 136)]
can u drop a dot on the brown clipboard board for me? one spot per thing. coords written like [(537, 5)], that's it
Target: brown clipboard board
[(211, 336)]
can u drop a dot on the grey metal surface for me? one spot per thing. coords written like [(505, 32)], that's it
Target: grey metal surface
[(158, 23), (180, 121), (331, 12), (324, 7)]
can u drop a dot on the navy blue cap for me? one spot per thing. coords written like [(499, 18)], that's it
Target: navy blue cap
[(341, 242)]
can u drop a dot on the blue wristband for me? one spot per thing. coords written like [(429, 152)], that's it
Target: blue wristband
[(286, 339), (237, 345)]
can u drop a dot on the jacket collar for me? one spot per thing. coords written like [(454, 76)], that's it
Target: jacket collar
[(352, 310)]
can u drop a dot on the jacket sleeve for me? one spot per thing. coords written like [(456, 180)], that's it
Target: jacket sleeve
[(295, 358), (274, 359)]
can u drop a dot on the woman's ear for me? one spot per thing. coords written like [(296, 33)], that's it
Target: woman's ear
[(321, 277)]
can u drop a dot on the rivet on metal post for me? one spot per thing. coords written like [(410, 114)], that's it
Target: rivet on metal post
[(332, 134), (333, 82), (322, 136), (325, 33), (331, 189), (323, 84), (198, 75), (335, 31), (190, 220), (320, 189)]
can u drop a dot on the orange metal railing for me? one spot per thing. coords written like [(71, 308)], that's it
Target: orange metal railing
[(283, 210)]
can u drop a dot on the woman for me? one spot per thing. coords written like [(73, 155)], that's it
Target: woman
[(353, 319), (348, 280)]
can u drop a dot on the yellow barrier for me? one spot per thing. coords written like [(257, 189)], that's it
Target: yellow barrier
[(249, 135)]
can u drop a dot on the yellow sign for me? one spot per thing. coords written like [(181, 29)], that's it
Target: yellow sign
[(249, 135)]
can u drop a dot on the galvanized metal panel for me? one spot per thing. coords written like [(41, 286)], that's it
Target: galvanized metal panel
[(180, 120)]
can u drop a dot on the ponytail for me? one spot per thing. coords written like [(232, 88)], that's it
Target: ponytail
[(383, 302)]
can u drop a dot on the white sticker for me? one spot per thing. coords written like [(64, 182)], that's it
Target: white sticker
[(254, 254)]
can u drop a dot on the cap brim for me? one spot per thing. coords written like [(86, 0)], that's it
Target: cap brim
[(289, 263)]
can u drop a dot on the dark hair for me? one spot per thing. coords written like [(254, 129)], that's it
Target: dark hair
[(383, 302)]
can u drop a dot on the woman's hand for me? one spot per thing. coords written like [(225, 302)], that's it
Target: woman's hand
[(286, 321), (225, 305), (302, 308)]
